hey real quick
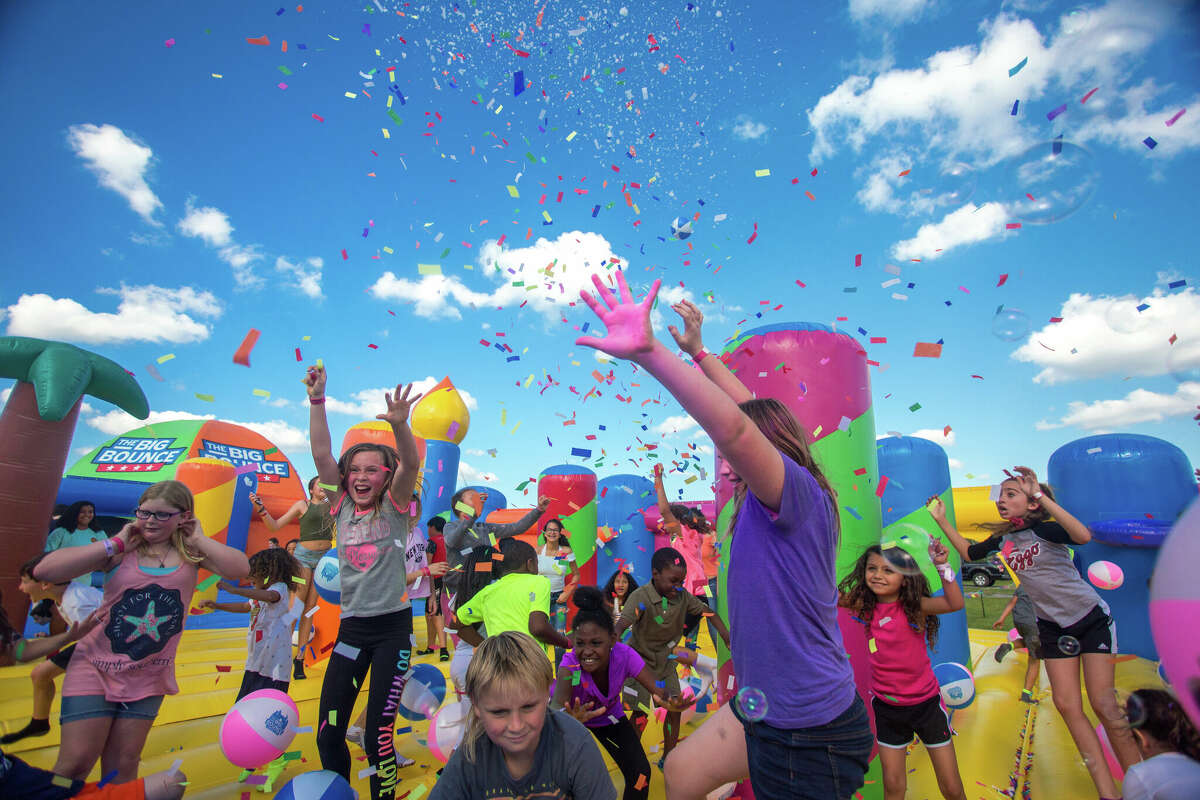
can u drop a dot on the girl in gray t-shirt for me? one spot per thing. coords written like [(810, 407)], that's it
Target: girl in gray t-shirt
[(1073, 622)]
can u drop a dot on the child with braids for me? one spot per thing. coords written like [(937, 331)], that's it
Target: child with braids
[(1170, 745), (888, 594), (269, 640), (591, 677)]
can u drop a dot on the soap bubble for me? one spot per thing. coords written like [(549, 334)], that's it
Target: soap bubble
[(1011, 324), (752, 703), (1130, 708), (905, 547), (1076, 20), (1183, 360), (1050, 181), (947, 189), (1122, 315), (1069, 645)]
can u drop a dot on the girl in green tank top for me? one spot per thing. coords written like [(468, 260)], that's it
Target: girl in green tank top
[(316, 536)]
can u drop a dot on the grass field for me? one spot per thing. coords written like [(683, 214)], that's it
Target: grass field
[(983, 609)]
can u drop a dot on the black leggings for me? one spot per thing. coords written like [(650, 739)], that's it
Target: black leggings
[(382, 644), (622, 743)]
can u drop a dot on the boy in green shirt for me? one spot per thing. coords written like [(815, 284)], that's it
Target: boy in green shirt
[(518, 601)]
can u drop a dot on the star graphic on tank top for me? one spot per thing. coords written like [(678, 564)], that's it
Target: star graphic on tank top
[(146, 625)]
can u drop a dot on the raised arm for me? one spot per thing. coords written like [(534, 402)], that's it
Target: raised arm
[(318, 427), (68, 563), (219, 558), (629, 335), (291, 515), (505, 529), (713, 367), (409, 466), (937, 510), (952, 596), (1078, 532), (664, 507)]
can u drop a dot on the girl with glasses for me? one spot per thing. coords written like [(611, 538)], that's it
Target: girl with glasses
[(121, 670)]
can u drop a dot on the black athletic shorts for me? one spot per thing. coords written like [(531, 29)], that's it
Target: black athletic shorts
[(1095, 633), (62, 657), (896, 725)]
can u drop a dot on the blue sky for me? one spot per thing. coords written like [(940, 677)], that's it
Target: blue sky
[(171, 184)]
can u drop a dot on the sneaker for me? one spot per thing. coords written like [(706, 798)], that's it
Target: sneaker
[(357, 735), (426, 652), (1002, 651), (298, 669), (1027, 697), (443, 655)]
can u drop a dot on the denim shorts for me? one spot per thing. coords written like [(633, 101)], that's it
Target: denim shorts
[(824, 762), (308, 558), (91, 706)]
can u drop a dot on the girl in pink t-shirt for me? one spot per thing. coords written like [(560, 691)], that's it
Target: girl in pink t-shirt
[(888, 594), (120, 671)]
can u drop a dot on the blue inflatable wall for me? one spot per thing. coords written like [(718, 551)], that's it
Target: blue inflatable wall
[(918, 469), (620, 501), (1128, 489)]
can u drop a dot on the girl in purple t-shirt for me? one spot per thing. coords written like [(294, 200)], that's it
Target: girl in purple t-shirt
[(786, 642), (889, 595), (590, 680)]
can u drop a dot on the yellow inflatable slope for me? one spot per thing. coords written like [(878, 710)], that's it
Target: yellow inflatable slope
[(1003, 745)]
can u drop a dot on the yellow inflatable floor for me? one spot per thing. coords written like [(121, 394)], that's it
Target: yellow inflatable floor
[(1005, 747)]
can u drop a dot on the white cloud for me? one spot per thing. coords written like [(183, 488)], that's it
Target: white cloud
[(368, 403), (955, 463), (747, 129), (470, 476), (306, 275), (120, 162), (1138, 406), (212, 226), (891, 10), (1109, 336), (144, 314), (954, 102), (937, 436), (279, 433), (672, 426), (551, 273), (968, 225)]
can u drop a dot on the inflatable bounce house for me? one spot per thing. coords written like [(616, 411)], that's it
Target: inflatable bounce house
[(1130, 490)]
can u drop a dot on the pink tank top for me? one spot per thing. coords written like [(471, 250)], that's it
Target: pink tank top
[(132, 655), (688, 543), (900, 671)]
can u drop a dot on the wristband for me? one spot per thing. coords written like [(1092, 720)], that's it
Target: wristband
[(425, 572), (700, 356), (117, 543), (947, 572), (110, 549), (316, 401), (1036, 495)]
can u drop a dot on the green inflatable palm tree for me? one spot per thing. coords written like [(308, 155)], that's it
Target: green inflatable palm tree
[(35, 435)]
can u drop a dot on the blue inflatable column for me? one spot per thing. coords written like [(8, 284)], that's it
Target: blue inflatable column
[(496, 501), (918, 469), (620, 503), (440, 478), (1128, 489)]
